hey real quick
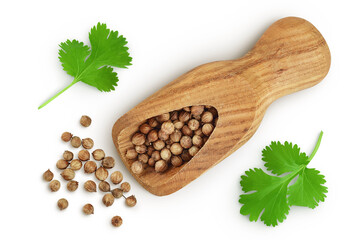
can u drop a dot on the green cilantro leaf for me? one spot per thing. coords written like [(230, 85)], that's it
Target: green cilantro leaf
[(92, 66), (270, 197), (308, 190)]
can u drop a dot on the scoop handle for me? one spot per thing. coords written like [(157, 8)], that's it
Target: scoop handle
[(290, 56)]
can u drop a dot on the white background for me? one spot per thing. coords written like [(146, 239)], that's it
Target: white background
[(166, 39)]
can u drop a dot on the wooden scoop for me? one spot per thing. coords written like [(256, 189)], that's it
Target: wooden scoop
[(291, 55)]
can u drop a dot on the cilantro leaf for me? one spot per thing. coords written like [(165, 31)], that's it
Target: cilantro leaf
[(308, 190), (270, 197), (283, 158), (93, 65)]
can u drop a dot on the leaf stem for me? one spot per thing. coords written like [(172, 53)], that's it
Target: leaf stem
[(56, 95), (316, 147)]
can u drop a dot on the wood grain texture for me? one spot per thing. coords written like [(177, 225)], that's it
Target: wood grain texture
[(290, 56)]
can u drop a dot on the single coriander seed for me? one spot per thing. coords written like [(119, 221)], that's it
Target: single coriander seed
[(101, 174), (152, 122), (197, 110), (117, 193), (75, 164), (141, 149), (85, 121), (165, 154), (199, 132), (176, 149), (125, 187), (62, 164), (108, 162), (151, 162), (108, 199), (131, 201), (137, 167), (163, 136), (138, 139), (207, 129), (207, 117), (156, 155), (160, 166), (185, 142), (185, 156), (98, 154), (174, 116), (187, 109), (75, 142), (143, 158), (176, 161), (168, 127), (116, 177), (104, 186), (163, 117), (131, 154), (184, 116), (187, 131), (197, 141), (66, 136), (72, 185), (54, 185), (48, 175), (145, 128), (193, 150), (159, 144), (90, 186), (88, 209), (90, 167), (152, 136), (193, 124), (84, 155), (67, 155), (62, 203), (176, 136), (68, 174), (116, 221), (87, 143), (178, 124)]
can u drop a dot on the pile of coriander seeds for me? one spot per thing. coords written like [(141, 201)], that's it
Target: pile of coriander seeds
[(69, 165), (171, 139)]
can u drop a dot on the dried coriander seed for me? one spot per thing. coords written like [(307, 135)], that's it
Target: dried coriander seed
[(207, 129), (165, 154), (68, 174), (75, 164), (108, 162), (141, 149), (152, 136), (174, 116), (108, 199), (176, 161), (160, 166), (131, 153), (90, 186), (87, 143), (88, 209), (199, 132), (75, 142), (62, 203), (176, 136), (104, 186), (67, 155), (143, 158), (184, 116), (163, 117), (167, 127), (72, 185), (152, 122), (85, 121), (101, 174), (186, 131), (137, 167), (117, 193), (163, 136), (187, 109), (84, 155), (197, 141), (176, 149), (159, 144), (193, 124), (54, 185), (185, 156), (207, 117), (116, 177), (185, 142), (178, 124), (156, 155), (66, 136), (48, 175), (151, 162), (197, 110), (116, 221), (90, 167), (62, 164), (145, 128), (193, 150), (125, 187), (138, 139), (150, 150), (98, 154), (131, 201)]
